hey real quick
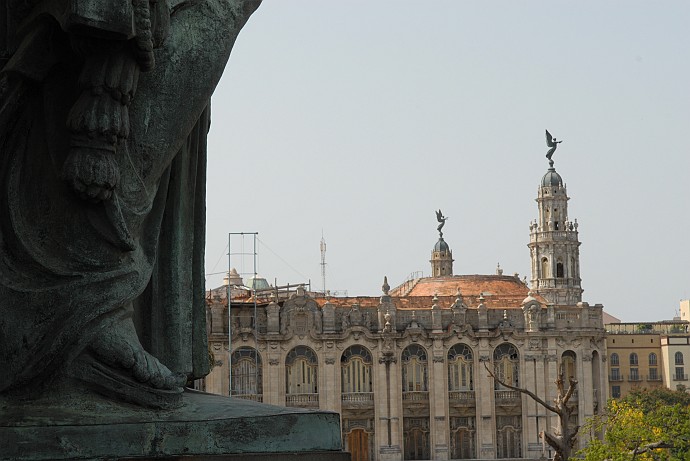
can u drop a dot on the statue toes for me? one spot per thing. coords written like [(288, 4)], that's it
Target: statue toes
[(176, 380), (141, 370), (157, 379)]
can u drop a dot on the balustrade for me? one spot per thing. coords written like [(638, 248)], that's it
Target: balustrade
[(466, 397), (507, 395), (302, 400), (357, 397), (415, 396)]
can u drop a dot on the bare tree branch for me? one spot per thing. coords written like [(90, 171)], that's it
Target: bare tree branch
[(535, 397), (572, 382), (563, 440)]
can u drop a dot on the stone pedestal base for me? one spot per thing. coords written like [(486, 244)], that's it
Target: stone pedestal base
[(206, 428)]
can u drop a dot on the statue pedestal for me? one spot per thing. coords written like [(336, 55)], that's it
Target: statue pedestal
[(207, 427)]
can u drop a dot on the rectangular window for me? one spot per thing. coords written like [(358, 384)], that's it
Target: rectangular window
[(616, 392), (615, 374), (634, 374), (680, 374), (653, 374)]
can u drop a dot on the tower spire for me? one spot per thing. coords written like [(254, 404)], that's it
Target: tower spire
[(554, 244)]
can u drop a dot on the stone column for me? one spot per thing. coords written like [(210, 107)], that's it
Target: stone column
[(438, 403), (396, 408), (535, 422), (329, 381), (484, 396), (543, 384), (274, 377), (585, 393), (551, 373), (388, 410)]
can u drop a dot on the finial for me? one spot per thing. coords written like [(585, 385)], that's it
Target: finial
[(385, 287), (442, 220), (552, 144), (499, 271)]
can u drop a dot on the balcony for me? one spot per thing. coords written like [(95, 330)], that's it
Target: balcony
[(634, 378), (653, 378), (507, 397), (461, 398), (615, 378), (253, 397), (679, 377), (302, 400), (357, 399), (416, 397)]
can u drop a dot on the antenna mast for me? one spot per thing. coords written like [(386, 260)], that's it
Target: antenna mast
[(323, 263)]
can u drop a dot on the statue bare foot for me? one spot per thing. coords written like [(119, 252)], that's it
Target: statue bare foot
[(119, 347)]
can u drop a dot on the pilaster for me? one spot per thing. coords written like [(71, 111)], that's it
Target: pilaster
[(438, 399), (484, 393)]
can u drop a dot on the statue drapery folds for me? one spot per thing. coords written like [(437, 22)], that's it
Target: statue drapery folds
[(102, 206)]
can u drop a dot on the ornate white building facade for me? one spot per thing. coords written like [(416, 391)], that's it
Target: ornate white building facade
[(405, 370)]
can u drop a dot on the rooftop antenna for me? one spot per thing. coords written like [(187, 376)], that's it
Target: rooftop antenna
[(323, 263)]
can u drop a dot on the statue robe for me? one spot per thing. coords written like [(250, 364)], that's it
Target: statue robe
[(64, 274)]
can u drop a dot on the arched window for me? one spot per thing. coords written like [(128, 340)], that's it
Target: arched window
[(460, 368), (414, 369), (506, 365), (652, 358), (633, 359), (568, 366), (679, 358), (355, 369), (545, 272), (301, 369), (246, 372), (615, 361), (559, 270)]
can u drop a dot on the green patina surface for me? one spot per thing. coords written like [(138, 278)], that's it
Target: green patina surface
[(84, 428)]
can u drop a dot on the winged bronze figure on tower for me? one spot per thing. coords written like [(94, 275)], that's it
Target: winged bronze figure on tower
[(552, 144), (442, 220)]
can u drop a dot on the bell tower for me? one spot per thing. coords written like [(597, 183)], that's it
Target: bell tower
[(554, 244)]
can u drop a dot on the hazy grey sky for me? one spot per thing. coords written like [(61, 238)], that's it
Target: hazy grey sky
[(359, 118)]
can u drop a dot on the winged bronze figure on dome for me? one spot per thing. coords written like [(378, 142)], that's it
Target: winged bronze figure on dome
[(552, 144), (442, 220)]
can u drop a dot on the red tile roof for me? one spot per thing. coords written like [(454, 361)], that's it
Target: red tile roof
[(499, 291)]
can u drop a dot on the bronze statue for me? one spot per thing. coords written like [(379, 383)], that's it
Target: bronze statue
[(552, 144), (102, 192), (442, 220)]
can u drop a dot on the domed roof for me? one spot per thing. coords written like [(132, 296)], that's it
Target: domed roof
[(441, 245), (552, 179), (258, 283)]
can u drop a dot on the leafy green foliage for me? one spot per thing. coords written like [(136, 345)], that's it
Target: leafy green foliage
[(645, 425)]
